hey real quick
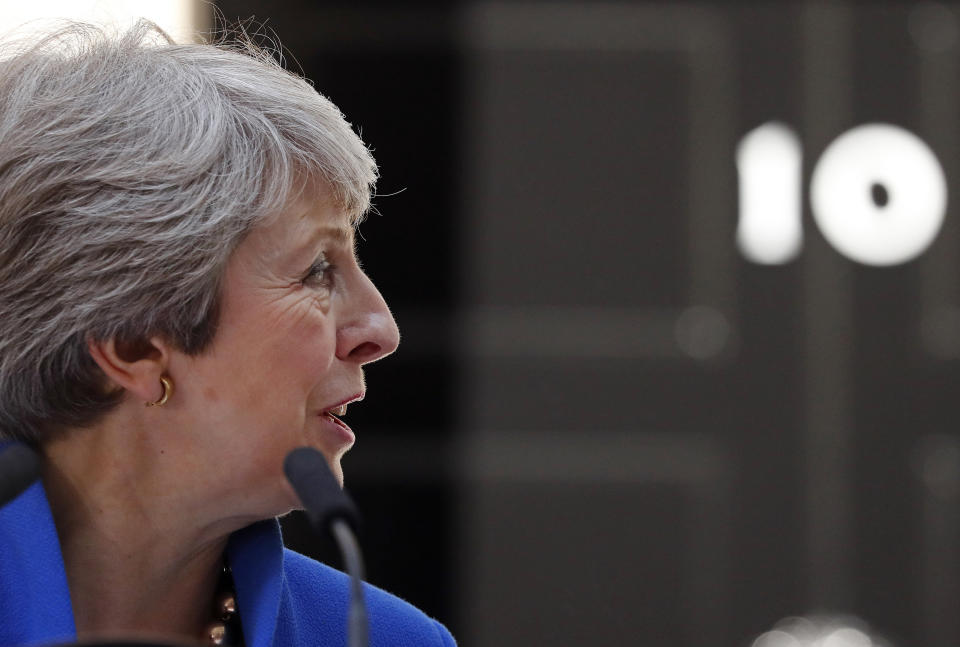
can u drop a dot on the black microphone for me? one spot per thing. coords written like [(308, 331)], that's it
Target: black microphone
[(19, 468), (330, 509)]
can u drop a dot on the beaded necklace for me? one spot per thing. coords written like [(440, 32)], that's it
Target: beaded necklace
[(225, 627)]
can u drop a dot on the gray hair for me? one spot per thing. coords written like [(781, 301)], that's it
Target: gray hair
[(130, 169)]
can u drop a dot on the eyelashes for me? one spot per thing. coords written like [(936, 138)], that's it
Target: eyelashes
[(325, 274), (320, 274)]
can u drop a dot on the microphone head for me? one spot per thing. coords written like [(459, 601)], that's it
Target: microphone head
[(321, 495), (19, 468)]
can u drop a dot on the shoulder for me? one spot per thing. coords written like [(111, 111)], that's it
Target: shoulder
[(318, 597)]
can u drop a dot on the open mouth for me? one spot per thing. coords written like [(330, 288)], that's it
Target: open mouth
[(335, 413)]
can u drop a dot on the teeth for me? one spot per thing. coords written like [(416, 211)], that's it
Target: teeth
[(339, 411)]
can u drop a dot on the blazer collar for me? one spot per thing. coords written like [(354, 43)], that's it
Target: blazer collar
[(255, 555), (35, 603)]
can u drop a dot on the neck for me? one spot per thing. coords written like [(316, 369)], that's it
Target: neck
[(142, 550)]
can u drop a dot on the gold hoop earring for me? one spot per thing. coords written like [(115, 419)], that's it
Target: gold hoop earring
[(167, 384)]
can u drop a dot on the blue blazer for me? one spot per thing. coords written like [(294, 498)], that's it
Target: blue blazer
[(285, 599)]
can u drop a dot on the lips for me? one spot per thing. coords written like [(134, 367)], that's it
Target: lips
[(340, 408), (337, 421), (332, 416)]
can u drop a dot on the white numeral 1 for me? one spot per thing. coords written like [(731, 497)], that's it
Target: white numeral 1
[(770, 229)]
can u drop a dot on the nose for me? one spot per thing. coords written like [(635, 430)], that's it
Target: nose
[(369, 331)]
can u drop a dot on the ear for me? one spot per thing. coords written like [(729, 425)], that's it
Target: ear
[(133, 366)]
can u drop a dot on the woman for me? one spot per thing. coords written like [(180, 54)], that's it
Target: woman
[(180, 306)]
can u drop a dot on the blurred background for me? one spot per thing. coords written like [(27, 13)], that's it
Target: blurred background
[(679, 288)]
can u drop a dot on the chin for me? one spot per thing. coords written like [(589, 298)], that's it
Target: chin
[(334, 455), (336, 469)]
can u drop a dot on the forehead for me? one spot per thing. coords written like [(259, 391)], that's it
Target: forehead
[(295, 233), (310, 215), (321, 220)]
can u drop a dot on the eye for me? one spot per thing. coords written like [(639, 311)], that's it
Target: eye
[(320, 274)]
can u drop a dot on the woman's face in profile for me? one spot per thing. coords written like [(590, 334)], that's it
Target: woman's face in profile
[(298, 320)]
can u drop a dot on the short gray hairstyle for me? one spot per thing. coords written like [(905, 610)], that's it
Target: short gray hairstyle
[(131, 167)]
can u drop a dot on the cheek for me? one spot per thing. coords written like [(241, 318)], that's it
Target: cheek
[(287, 368), (302, 352), (265, 372)]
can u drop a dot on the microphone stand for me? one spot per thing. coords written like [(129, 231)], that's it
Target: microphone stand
[(330, 510), (353, 560)]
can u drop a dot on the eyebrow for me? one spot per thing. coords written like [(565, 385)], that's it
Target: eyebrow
[(340, 235)]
